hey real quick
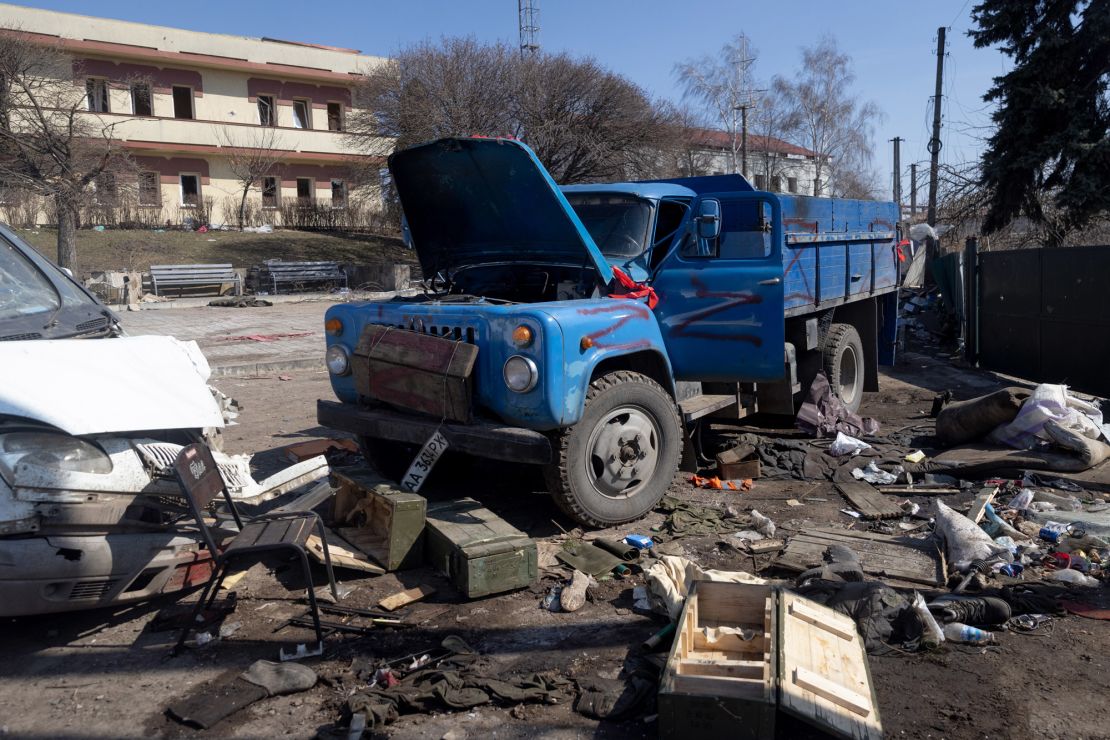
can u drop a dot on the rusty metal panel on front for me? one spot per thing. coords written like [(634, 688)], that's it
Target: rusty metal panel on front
[(415, 372)]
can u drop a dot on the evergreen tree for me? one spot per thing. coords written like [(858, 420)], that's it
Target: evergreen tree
[(1049, 156)]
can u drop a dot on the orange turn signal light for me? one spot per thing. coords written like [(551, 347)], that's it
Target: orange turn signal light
[(585, 344), (333, 326), (522, 336)]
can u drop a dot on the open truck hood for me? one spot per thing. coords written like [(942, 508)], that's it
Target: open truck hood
[(474, 201), (101, 386)]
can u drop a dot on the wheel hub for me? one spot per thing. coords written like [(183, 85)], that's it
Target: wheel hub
[(623, 451)]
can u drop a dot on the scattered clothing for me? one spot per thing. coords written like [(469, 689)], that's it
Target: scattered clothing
[(823, 413)]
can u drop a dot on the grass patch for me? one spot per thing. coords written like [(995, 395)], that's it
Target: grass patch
[(122, 249)]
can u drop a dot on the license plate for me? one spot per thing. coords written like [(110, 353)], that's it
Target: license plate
[(425, 460)]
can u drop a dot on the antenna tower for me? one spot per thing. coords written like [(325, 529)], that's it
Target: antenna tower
[(529, 13)]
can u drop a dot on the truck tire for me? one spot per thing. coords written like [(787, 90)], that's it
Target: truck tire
[(615, 464), (843, 361)]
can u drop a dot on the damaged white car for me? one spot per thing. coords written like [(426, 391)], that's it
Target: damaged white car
[(89, 430)]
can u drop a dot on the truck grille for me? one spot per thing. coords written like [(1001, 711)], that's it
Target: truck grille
[(454, 333), (160, 457)]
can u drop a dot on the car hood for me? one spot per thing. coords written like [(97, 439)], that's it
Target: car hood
[(101, 386), (476, 200)]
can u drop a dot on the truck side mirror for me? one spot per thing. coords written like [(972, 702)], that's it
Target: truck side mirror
[(709, 219)]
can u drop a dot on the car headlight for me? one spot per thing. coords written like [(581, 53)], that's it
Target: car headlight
[(338, 360), (521, 374), (57, 451)]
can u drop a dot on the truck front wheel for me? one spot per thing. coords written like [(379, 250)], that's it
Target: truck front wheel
[(615, 464), (843, 361)]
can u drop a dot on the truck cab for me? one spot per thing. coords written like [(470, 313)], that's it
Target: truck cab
[(586, 329)]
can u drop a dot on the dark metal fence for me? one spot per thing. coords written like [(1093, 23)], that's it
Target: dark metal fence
[(1044, 315)]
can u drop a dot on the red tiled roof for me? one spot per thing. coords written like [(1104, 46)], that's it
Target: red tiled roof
[(712, 139)]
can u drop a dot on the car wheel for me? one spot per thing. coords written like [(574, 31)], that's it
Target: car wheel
[(615, 464), (843, 362)]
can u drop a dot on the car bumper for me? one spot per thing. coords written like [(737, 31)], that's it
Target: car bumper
[(480, 438)]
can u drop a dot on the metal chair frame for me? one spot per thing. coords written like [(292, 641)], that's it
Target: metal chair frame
[(201, 482)]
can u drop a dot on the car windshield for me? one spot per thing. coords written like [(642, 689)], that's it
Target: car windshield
[(618, 223), (23, 289)]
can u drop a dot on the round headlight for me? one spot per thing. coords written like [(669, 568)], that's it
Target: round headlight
[(338, 360), (520, 374)]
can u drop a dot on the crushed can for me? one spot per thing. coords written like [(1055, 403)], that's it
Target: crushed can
[(1054, 531)]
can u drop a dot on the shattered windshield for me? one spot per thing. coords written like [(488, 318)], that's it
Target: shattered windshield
[(618, 223), (23, 289)]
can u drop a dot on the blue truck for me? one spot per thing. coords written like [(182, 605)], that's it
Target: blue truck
[(591, 329)]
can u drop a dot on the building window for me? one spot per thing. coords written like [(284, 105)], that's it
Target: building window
[(190, 191), (776, 184), (338, 194), (335, 116), (304, 190), (150, 189), (267, 113), (760, 182), (302, 114), (792, 184), (270, 192), (182, 102), (141, 102), (97, 93)]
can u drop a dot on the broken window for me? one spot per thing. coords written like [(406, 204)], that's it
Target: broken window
[(267, 113), (302, 114), (97, 92), (182, 102), (335, 116), (190, 190), (150, 189), (338, 194), (792, 184), (304, 189), (142, 104), (270, 192)]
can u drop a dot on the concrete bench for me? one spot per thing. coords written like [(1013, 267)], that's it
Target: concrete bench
[(191, 276), (273, 274)]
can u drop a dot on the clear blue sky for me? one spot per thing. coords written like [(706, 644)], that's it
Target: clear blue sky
[(892, 43)]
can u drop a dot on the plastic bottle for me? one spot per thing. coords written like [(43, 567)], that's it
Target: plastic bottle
[(1021, 500), (957, 632)]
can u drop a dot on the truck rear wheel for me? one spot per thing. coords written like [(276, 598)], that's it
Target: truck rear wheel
[(615, 464), (843, 361)]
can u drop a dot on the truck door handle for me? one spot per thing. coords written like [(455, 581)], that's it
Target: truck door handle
[(771, 281), (857, 277)]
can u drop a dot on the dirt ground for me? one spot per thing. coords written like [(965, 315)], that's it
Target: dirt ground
[(105, 674)]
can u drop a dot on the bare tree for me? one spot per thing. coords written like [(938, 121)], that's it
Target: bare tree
[(583, 121), (831, 120), (723, 85), (773, 119), (51, 143), (250, 159)]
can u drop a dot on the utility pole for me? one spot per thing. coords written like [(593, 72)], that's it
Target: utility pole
[(898, 173), (913, 191), (934, 146)]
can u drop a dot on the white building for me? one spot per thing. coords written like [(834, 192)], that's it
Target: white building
[(773, 164)]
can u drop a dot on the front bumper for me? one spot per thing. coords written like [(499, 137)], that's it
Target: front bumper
[(479, 438)]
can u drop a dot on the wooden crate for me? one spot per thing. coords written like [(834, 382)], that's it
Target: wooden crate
[(801, 658), (415, 372), (379, 519), (479, 551)]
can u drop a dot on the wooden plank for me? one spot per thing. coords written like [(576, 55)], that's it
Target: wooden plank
[(918, 490), (406, 597), (880, 555), (342, 554), (761, 546), (979, 504), (868, 502), (699, 406)]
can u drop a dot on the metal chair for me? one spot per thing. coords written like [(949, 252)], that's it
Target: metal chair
[(201, 481)]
